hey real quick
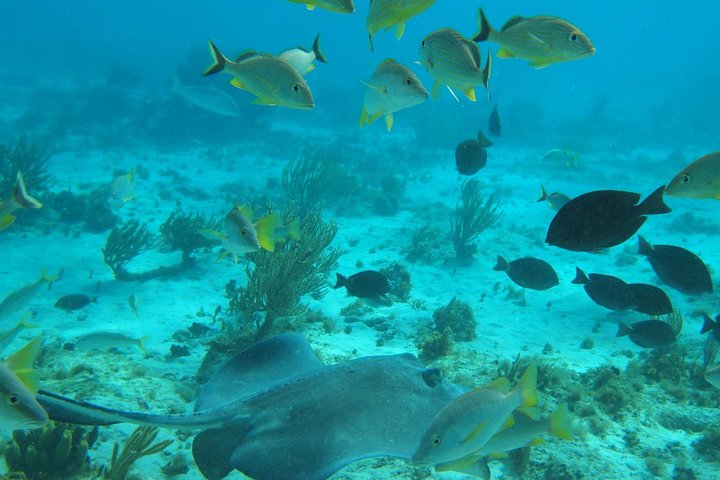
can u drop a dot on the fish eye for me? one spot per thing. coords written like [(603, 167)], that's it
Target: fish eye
[(436, 441), (12, 399), (296, 87), (243, 232), (423, 42), (685, 179), (573, 37), (408, 81)]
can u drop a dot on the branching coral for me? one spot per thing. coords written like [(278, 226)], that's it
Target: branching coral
[(29, 157), (473, 216), (315, 178), (125, 243), (54, 451), (140, 444), (277, 280), (182, 232)]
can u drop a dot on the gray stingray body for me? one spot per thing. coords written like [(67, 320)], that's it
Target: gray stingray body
[(275, 412)]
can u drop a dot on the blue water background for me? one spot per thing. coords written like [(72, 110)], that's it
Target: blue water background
[(653, 80)]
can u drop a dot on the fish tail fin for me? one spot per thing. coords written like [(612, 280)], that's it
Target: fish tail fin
[(21, 197), (363, 118), (527, 386), (543, 194), (580, 277), (21, 363), (293, 229), (644, 247), (486, 74), (6, 221), (501, 265), (653, 204), (219, 61), (141, 343), (319, 54), (708, 324), (341, 281), (623, 330), (484, 28), (560, 425), (265, 228)]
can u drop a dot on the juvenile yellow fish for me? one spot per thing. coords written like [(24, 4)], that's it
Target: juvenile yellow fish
[(122, 190), (240, 235), (700, 179), (543, 40), (337, 6), (393, 87), (18, 199), (386, 14), (301, 59), (453, 60), (18, 384), (273, 81), (467, 423)]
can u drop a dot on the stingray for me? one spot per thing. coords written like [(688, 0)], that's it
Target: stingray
[(275, 412)]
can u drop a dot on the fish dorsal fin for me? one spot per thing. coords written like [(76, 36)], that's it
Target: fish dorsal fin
[(21, 364), (246, 211), (501, 384), (249, 54), (516, 20), (264, 365)]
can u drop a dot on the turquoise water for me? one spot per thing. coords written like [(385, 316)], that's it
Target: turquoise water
[(86, 98)]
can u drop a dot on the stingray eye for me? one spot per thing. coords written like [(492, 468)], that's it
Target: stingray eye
[(573, 37), (436, 441), (296, 87), (685, 179), (12, 399)]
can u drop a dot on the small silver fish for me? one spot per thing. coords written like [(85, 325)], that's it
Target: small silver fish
[(17, 300), (108, 339), (208, 98)]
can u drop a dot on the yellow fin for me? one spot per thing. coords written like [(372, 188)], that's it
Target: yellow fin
[(509, 422), (498, 455), (293, 229), (436, 89), (310, 6), (363, 117), (531, 412), (560, 425), (21, 363), (470, 93), (389, 121), (504, 53), (265, 228), (538, 64), (264, 101), (141, 343), (475, 432), (535, 441), (528, 386), (235, 82), (6, 221), (501, 384), (400, 30)]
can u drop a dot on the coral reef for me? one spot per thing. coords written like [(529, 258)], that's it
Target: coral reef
[(707, 445), (458, 317), (426, 245), (387, 201), (473, 216), (433, 344), (91, 209), (140, 444), (55, 451), (399, 279), (181, 231), (277, 280)]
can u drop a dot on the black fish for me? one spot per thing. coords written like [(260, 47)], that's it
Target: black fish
[(470, 157), (556, 200), (711, 326), (679, 268), (648, 333), (74, 301), (365, 284), (528, 272), (494, 125), (650, 299), (602, 219), (605, 290), (482, 140)]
